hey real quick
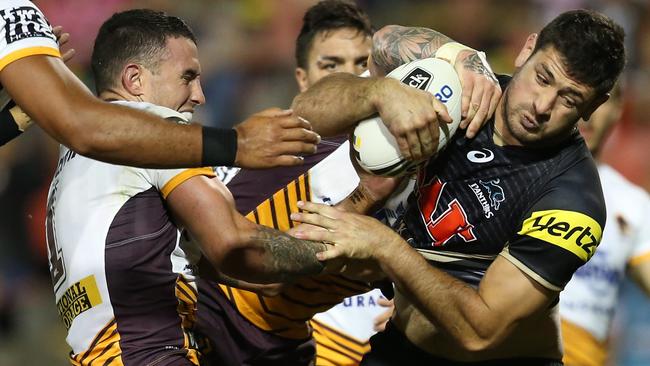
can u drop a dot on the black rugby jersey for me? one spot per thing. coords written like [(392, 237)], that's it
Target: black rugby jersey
[(543, 210)]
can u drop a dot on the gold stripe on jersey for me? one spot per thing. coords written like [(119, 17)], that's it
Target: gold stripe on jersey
[(641, 258), (182, 177), (103, 350), (334, 348), (187, 302), (581, 348), (25, 52), (287, 313)]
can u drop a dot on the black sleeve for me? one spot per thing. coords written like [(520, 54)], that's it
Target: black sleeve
[(219, 146), (562, 229), (8, 126)]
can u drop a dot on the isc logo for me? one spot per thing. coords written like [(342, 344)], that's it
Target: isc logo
[(418, 78), (573, 231)]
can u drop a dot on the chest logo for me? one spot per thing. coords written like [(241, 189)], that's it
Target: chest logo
[(495, 195), (453, 221), (480, 156)]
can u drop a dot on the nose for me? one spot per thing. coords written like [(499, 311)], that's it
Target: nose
[(197, 97), (543, 103), (350, 68)]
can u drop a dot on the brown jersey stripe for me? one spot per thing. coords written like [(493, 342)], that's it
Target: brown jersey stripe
[(287, 206), (186, 291), (188, 286), (342, 337), (274, 216), (306, 179), (104, 355), (105, 333), (280, 212), (335, 353)]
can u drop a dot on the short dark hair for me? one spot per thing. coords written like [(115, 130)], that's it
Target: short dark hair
[(325, 16), (591, 45), (137, 36)]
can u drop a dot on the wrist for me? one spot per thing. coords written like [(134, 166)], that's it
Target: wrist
[(219, 146), (453, 51)]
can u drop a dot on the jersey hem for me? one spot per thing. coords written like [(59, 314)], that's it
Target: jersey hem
[(25, 52), (539, 279)]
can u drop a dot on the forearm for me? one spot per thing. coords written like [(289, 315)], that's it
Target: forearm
[(270, 256), (354, 102), (395, 45), (451, 305), (50, 93)]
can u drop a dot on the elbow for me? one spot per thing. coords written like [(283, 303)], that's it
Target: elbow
[(480, 341)]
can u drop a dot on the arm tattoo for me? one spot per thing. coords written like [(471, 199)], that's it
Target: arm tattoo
[(397, 45), (474, 64), (288, 257)]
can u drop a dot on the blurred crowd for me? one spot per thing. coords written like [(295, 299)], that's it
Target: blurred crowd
[(247, 55)]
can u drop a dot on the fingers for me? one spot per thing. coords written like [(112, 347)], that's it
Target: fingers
[(382, 301), (275, 112), (329, 254), (467, 86), (299, 134), (284, 160), (414, 146), (313, 219), (69, 54), (480, 116), (295, 148)]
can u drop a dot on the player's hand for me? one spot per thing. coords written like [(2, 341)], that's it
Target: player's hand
[(412, 116), (63, 38), (379, 323), (481, 90), (353, 236), (272, 138)]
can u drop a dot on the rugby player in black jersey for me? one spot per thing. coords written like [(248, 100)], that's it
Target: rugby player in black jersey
[(498, 223)]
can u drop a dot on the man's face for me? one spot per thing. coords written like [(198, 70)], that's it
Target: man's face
[(176, 82), (542, 103), (338, 50)]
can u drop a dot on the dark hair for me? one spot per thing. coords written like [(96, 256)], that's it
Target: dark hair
[(591, 45), (325, 16), (137, 36)]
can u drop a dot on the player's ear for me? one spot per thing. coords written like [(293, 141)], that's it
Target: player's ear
[(301, 78), (526, 51), (132, 79)]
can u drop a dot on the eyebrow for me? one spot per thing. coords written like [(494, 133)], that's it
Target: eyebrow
[(566, 89), (193, 73)]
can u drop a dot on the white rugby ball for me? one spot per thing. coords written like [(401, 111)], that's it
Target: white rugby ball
[(376, 149)]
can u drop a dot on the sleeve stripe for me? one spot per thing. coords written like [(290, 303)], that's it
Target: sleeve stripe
[(182, 177), (638, 259), (31, 51), (529, 272)]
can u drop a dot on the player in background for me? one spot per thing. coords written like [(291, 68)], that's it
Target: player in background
[(588, 302), (497, 224), (34, 75), (123, 282), (335, 37)]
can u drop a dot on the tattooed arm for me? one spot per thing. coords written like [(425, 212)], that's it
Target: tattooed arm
[(395, 45), (207, 271), (234, 245)]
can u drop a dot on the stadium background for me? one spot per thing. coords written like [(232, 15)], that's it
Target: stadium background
[(246, 49)]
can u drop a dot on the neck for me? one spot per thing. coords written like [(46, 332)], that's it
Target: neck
[(501, 135), (112, 94)]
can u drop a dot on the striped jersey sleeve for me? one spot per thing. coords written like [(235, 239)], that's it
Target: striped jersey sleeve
[(24, 31)]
